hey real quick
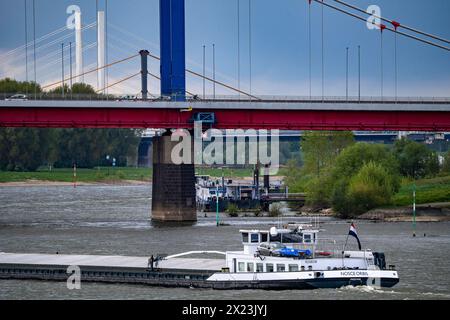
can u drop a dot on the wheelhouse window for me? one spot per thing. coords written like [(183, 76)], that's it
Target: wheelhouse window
[(293, 267), (281, 268), (264, 237), (245, 237), (250, 267), (269, 267), (259, 267), (241, 267), (254, 238), (307, 238)]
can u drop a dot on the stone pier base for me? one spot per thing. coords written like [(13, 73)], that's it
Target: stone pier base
[(173, 192)]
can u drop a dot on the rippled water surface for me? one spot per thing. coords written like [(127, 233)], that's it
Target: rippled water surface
[(116, 220)]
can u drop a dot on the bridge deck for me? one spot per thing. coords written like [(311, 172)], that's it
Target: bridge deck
[(436, 105), (228, 115)]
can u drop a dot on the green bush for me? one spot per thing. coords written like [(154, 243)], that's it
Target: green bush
[(275, 210), (232, 210), (446, 166), (257, 211), (371, 187), (416, 160), (318, 191)]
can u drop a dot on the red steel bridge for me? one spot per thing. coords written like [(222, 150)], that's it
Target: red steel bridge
[(260, 114), (178, 108), (173, 192)]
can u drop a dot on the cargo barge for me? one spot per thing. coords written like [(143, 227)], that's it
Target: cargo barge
[(286, 258)]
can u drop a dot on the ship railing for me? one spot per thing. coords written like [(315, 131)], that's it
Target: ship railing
[(193, 252)]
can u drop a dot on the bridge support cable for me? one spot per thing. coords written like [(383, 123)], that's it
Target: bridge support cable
[(250, 41), (117, 82), (204, 71), (93, 70), (29, 44), (105, 70), (26, 48), (34, 50), (323, 58), (394, 22), (346, 75), (386, 28), (396, 25), (310, 49), (223, 85), (44, 67), (159, 78), (382, 27), (44, 61), (212, 80), (214, 69), (239, 42), (39, 48)]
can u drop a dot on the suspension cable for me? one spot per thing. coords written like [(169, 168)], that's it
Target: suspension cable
[(159, 78), (120, 81), (43, 67), (396, 65), (386, 28), (239, 42), (250, 41), (394, 22), (212, 80), (93, 70), (310, 49), (48, 44), (382, 62), (29, 44), (323, 58), (223, 84)]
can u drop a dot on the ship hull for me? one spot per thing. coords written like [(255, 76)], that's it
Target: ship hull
[(304, 280)]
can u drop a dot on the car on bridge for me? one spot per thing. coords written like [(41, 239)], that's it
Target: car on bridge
[(127, 98), (17, 97)]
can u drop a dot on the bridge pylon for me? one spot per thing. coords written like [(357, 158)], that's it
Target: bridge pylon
[(173, 191)]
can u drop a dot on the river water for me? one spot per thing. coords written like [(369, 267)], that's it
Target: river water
[(115, 220)]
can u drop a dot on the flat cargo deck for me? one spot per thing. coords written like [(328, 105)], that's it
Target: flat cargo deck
[(109, 261), (174, 272)]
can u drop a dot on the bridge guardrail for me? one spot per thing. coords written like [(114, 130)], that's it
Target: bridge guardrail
[(232, 98)]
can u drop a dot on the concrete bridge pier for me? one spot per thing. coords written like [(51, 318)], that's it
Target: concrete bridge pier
[(173, 192)]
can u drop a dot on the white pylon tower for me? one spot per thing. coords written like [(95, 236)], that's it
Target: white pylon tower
[(78, 48), (101, 49)]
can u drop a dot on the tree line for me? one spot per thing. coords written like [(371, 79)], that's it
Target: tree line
[(26, 149), (353, 178)]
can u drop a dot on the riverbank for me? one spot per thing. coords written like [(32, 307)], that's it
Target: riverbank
[(44, 183), (430, 212), (102, 175)]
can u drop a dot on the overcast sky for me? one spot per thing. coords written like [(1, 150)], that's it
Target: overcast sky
[(280, 48)]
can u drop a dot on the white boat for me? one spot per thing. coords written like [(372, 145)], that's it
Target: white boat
[(311, 268), (286, 258)]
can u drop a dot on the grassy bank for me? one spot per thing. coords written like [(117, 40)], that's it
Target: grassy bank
[(427, 191), (103, 174), (83, 175)]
